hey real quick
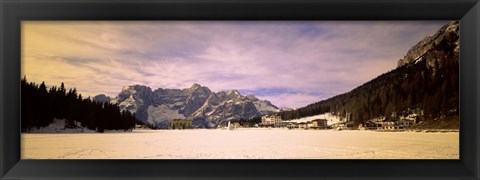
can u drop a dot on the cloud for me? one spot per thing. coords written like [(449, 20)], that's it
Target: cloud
[(290, 63)]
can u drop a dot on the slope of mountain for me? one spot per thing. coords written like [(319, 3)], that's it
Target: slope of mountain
[(206, 108), (425, 85), (447, 34)]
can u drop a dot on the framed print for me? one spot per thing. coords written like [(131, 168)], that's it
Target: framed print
[(211, 89), (240, 90)]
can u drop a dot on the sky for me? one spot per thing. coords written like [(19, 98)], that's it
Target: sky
[(290, 63)]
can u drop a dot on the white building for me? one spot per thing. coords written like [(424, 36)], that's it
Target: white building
[(271, 120)]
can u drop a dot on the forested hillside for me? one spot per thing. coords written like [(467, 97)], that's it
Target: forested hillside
[(425, 83)]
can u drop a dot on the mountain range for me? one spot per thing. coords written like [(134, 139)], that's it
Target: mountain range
[(424, 85), (199, 103)]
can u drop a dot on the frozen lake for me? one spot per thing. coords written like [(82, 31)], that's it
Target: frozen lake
[(242, 144)]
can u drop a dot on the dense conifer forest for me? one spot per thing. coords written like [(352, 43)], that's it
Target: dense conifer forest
[(40, 106)]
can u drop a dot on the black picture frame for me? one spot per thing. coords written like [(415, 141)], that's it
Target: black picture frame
[(12, 12)]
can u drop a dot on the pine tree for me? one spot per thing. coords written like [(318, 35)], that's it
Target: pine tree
[(40, 106)]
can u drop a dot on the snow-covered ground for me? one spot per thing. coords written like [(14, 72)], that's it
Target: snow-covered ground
[(332, 119), (58, 126), (260, 143)]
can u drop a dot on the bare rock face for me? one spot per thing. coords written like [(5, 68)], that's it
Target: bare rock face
[(448, 34), (136, 99), (197, 95), (173, 97), (199, 103), (233, 109)]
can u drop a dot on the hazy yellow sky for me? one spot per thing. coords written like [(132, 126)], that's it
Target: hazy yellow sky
[(291, 64)]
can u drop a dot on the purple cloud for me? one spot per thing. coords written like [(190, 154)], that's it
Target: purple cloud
[(290, 63)]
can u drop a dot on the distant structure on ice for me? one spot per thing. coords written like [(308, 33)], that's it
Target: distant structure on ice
[(181, 124)]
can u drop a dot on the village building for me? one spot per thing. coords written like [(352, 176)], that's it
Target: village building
[(394, 125), (388, 125), (181, 124), (272, 120), (303, 125), (310, 125), (319, 124), (339, 126), (404, 124), (369, 125), (380, 125), (292, 125), (282, 124)]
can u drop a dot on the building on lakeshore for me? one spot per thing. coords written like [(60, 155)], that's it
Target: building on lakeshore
[(389, 125), (369, 125), (339, 126), (292, 125), (404, 124), (310, 125), (272, 120), (303, 125), (344, 126), (319, 124), (181, 124)]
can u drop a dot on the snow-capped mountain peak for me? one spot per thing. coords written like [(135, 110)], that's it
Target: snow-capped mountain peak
[(234, 91), (196, 86), (232, 94), (198, 102)]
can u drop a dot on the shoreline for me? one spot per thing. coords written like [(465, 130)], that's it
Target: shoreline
[(241, 129), (422, 130)]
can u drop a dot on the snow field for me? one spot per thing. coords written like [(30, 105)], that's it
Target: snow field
[(257, 143)]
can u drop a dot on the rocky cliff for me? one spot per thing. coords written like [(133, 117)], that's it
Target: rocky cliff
[(447, 34), (199, 103)]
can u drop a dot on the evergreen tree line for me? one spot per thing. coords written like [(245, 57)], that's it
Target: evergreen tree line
[(431, 85), (41, 105), (249, 122)]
